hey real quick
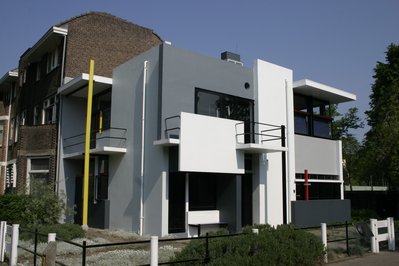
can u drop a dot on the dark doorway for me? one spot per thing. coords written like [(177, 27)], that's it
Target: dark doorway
[(177, 199), (246, 200), (78, 199)]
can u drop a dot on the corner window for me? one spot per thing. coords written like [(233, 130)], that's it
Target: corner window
[(311, 117)]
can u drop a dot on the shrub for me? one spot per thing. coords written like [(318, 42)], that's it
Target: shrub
[(63, 231), (280, 246), (13, 207), (41, 207), (363, 215)]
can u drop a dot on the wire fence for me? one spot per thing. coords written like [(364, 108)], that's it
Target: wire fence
[(85, 249)]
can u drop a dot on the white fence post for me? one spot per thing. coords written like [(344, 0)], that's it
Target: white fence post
[(51, 237), (3, 232), (324, 240), (391, 233), (14, 244), (375, 247), (154, 251)]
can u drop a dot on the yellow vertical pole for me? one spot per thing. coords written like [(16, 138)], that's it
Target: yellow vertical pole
[(100, 122), (87, 146)]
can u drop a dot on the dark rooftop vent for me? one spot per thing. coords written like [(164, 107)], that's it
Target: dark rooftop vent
[(231, 57)]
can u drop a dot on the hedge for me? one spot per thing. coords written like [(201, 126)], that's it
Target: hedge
[(281, 246)]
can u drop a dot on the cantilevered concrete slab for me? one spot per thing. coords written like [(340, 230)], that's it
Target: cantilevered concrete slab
[(78, 86), (322, 91)]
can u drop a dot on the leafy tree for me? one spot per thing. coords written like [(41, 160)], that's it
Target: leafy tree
[(381, 147), (342, 128)]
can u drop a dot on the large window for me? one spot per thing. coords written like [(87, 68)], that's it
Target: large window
[(202, 192), (223, 105), (311, 117), (318, 190), (226, 106)]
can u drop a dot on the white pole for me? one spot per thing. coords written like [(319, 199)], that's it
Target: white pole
[(391, 234), (51, 237), (3, 231), (142, 149), (14, 245), (324, 240), (374, 239), (154, 251)]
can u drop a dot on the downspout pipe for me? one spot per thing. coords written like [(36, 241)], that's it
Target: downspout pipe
[(142, 149)]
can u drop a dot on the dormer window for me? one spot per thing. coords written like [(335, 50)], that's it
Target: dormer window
[(312, 117)]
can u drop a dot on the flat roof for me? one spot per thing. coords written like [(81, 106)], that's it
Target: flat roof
[(323, 92), (78, 86)]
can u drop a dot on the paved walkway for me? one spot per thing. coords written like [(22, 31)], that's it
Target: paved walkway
[(384, 258)]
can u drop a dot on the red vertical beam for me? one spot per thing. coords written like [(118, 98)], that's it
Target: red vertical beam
[(306, 185)]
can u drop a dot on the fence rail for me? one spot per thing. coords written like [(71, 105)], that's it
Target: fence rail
[(153, 243)]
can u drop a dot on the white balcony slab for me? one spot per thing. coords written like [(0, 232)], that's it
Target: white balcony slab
[(167, 142), (105, 150), (259, 148)]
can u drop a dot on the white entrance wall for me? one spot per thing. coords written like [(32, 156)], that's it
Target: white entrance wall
[(273, 92)]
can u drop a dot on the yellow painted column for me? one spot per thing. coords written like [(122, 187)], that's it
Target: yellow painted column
[(87, 146)]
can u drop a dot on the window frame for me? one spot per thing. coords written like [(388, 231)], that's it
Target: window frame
[(29, 171)]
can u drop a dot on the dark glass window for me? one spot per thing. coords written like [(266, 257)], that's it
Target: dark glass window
[(318, 191), (102, 179), (317, 176), (101, 111), (177, 199), (202, 192), (311, 117), (225, 106)]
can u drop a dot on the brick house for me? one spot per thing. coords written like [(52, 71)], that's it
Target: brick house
[(61, 54), (8, 88)]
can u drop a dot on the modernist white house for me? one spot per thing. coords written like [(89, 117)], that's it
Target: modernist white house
[(181, 139)]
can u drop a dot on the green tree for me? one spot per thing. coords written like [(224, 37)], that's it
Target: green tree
[(381, 146), (342, 129)]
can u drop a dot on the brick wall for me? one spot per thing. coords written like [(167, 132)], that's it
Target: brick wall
[(109, 40), (36, 141)]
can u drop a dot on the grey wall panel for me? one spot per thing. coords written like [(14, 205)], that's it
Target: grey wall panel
[(313, 212)]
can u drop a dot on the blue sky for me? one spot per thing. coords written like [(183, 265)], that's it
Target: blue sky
[(333, 42)]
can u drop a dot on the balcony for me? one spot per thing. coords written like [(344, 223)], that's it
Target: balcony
[(218, 145), (106, 142), (255, 137)]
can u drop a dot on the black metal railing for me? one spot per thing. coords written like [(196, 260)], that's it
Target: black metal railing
[(79, 139), (174, 128), (256, 132), (204, 258)]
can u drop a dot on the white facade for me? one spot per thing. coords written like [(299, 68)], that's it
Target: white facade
[(196, 140)]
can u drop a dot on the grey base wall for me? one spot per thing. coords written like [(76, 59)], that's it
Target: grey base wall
[(314, 212)]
